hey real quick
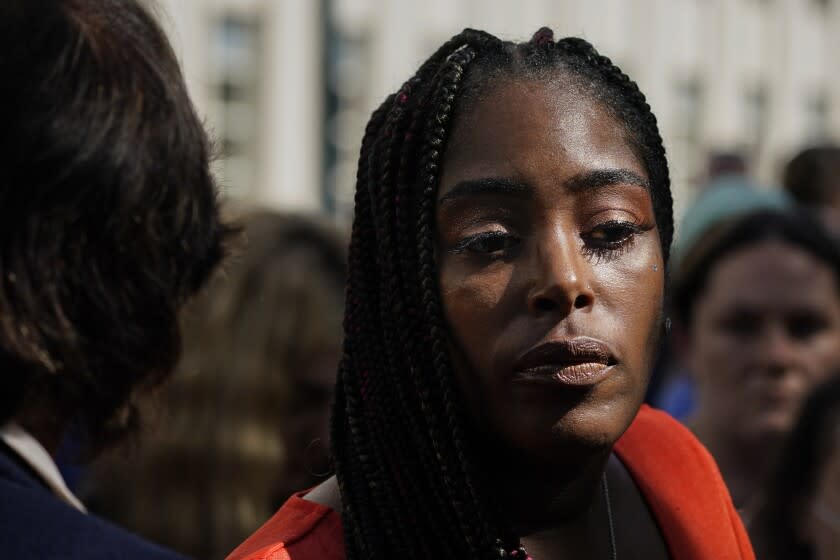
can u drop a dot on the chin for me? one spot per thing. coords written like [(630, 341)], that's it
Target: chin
[(771, 427), (561, 434), (595, 428), (762, 433)]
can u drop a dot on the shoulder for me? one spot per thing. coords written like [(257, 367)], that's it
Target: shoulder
[(36, 524), (655, 431), (300, 530), (664, 457), (683, 487)]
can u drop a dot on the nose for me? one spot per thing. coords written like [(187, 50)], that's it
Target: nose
[(562, 276), (777, 350)]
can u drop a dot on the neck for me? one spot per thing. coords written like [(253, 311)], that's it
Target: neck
[(744, 463), (43, 427), (538, 498), (537, 494), (558, 511)]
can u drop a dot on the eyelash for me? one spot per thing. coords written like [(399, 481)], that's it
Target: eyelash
[(472, 243), (599, 249)]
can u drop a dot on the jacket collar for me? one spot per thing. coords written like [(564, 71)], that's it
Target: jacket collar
[(34, 456)]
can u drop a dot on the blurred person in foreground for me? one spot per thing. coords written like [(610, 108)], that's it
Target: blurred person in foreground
[(247, 413), (800, 517), (812, 178), (757, 302), (108, 224)]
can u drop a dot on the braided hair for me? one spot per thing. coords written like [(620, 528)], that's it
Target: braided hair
[(409, 485)]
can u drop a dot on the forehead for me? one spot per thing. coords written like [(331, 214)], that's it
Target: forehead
[(772, 275), (527, 129)]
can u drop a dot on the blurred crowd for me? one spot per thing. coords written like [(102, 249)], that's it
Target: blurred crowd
[(754, 349), (244, 421), (751, 365)]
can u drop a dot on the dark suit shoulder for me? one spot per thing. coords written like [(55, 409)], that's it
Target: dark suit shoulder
[(36, 524)]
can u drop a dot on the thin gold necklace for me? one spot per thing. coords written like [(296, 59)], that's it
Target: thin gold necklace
[(607, 501)]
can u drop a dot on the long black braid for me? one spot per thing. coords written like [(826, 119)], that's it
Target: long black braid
[(409, 486)]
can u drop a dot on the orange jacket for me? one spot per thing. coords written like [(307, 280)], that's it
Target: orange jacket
[(674, 472)]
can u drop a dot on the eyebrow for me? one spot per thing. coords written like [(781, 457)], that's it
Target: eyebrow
[(604, 178), (487, 186), (578, 183)]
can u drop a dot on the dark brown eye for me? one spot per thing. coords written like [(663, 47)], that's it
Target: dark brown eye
[(804, 325), (609, 239), (741, 323), (490, 243), (613, 233)]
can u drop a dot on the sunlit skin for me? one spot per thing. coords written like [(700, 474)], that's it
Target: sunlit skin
[(546, 232), (764, 331)]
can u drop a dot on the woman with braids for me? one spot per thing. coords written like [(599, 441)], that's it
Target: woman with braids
[(504, 306)]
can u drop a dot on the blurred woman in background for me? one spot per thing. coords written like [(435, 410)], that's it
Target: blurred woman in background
[(246, 416), (800, 515), (757, 302)]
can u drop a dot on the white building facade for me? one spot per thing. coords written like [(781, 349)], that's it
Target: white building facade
[(287, 85)]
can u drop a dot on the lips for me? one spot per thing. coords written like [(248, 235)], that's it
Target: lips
[(578, 361)]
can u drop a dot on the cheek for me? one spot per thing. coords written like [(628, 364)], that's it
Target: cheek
[(716, 350), (716, 347), (473, 306), (631, 291), (716, 360), (823, 353), (637, 280)]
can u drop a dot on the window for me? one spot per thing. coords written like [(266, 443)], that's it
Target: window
[(755, 107), (686, 156), (345, 115), (816, 127), (234, 107)]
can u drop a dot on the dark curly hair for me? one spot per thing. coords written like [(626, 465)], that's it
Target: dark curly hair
[(796, 226), (109, 218), (812, 177), (796, 475), (409, 485)]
